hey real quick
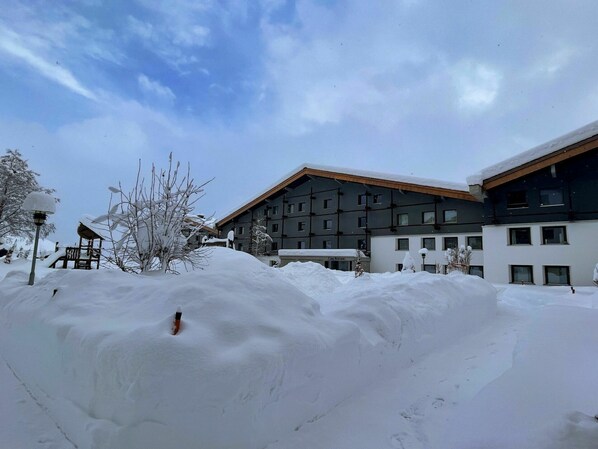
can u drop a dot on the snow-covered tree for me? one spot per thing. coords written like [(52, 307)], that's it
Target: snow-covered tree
[(408, 264), (17, 180), (259, 237), (459, 259), (146, 224), (595, 278)]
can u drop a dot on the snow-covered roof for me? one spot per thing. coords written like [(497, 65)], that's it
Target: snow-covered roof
[(409, 183), (321, 253), (546, 149), (99, 228)]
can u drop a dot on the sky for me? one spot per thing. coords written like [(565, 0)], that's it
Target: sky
[(246, 91)]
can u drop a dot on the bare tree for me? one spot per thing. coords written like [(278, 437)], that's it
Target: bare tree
[(459, 259), (146, 224), (259, 237)]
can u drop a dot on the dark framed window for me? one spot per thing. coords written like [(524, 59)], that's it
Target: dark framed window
[(301, 226), (429, 217), (362, 244), (402, 219), (554, 235), (520, 236), (449, 216), (274, 210), (290, 208), (327, 224), (476, 270), (475, 242), (554, 275), (274, 246), (326, 203), (300, 244), (266, 212), (402, 245), (300, 207), (378, 198), (399, 267), (362, 199), (430, 268), (240, 230), (429, 243), (522, 274), (362, 222), (274, 227), (327, 244), (551, 197), (450, 243), (516, 199), (239, 247)]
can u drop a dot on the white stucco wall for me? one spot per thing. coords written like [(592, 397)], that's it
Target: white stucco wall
[(385, 258), (580, 253)]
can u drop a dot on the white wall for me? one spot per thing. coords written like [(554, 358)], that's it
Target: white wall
[(580, 254), (385, 258)]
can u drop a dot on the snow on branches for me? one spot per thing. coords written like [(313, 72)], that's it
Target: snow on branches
[(148, 226), (259, 237), (459, 259)]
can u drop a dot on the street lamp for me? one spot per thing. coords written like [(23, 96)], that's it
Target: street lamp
[(41, 204), (423, 252)]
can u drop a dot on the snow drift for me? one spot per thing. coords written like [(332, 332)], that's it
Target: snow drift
[(255, 358)]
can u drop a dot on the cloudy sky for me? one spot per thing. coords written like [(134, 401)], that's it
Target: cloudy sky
[(246, 91)]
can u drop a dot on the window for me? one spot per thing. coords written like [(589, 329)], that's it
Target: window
[(362, 222), (554, 235), (451, 242), (274, 227), (290, 208), (300, 207), (430, 268), (301, 244), (362, 199), (522, 274), (402, 219), (429, 243), (240, 230), (402, 245), (399, 267), (450, 216), (362, 244), (378, 198), (476, 270), (274, 246), (326, 203), (274, 210), (239, 247), (327, 224), (520, 236), (429, 217), (475, 242), (327, 244), (301, 226), (266, 212), (273, 263), (516, 199), (551, 197), (556, 275)]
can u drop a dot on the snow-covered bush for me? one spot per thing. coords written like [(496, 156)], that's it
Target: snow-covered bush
[(408, 264), (459, 259), (259, 237)]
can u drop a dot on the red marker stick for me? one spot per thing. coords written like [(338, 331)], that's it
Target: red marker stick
[(176, 324)]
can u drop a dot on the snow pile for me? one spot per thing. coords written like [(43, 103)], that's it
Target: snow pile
[(311, 278), (94, 347), (547, 400)]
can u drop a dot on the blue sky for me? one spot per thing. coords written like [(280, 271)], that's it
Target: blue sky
[(247, 91)]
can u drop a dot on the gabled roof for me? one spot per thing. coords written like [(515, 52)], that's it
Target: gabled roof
[(408, 183), (562, 148)]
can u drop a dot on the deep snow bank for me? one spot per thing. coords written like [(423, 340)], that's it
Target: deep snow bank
[(255, 357)]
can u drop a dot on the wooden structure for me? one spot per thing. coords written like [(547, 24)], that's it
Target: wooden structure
[(85, 256)]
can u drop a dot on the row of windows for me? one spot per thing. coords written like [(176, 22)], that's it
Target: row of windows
[(447, 242), (553, 275), (477, 270), (326, 204), (429, 217), (548, 197), (326, 244), (551, 235)]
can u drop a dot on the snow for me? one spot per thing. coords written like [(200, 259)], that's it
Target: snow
[(321, 253), (537, 152), (295, 357), (40, 202)]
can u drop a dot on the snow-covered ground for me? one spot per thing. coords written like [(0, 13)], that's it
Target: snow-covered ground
[(292, 358)]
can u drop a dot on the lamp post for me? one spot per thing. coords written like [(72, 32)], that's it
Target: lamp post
[(41, 204), (423, 252)]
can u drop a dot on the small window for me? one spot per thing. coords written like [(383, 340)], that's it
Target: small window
[(450, 243), (402, 245), (430, 268), (240, 230), (516, 199), (522, 274), (300, 207), (450, 216), (301, 244), (402, 219), (551, 197), (429, 243), (362, 199), (556, 275), (475, 242), (362, 222), (520, 236), (327, 244), (239, 247), (378, 198), (476, 270), (274, 246), (429, 217), (290, 208), (362, 244), (399, 267), (327, 224), (301, 226), (326, 203), (554, 235), (266, 212), (274, 210), (274, 227)]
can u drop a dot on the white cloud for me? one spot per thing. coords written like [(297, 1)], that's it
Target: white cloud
[(155, 88), (554, 62), (476, 84)]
